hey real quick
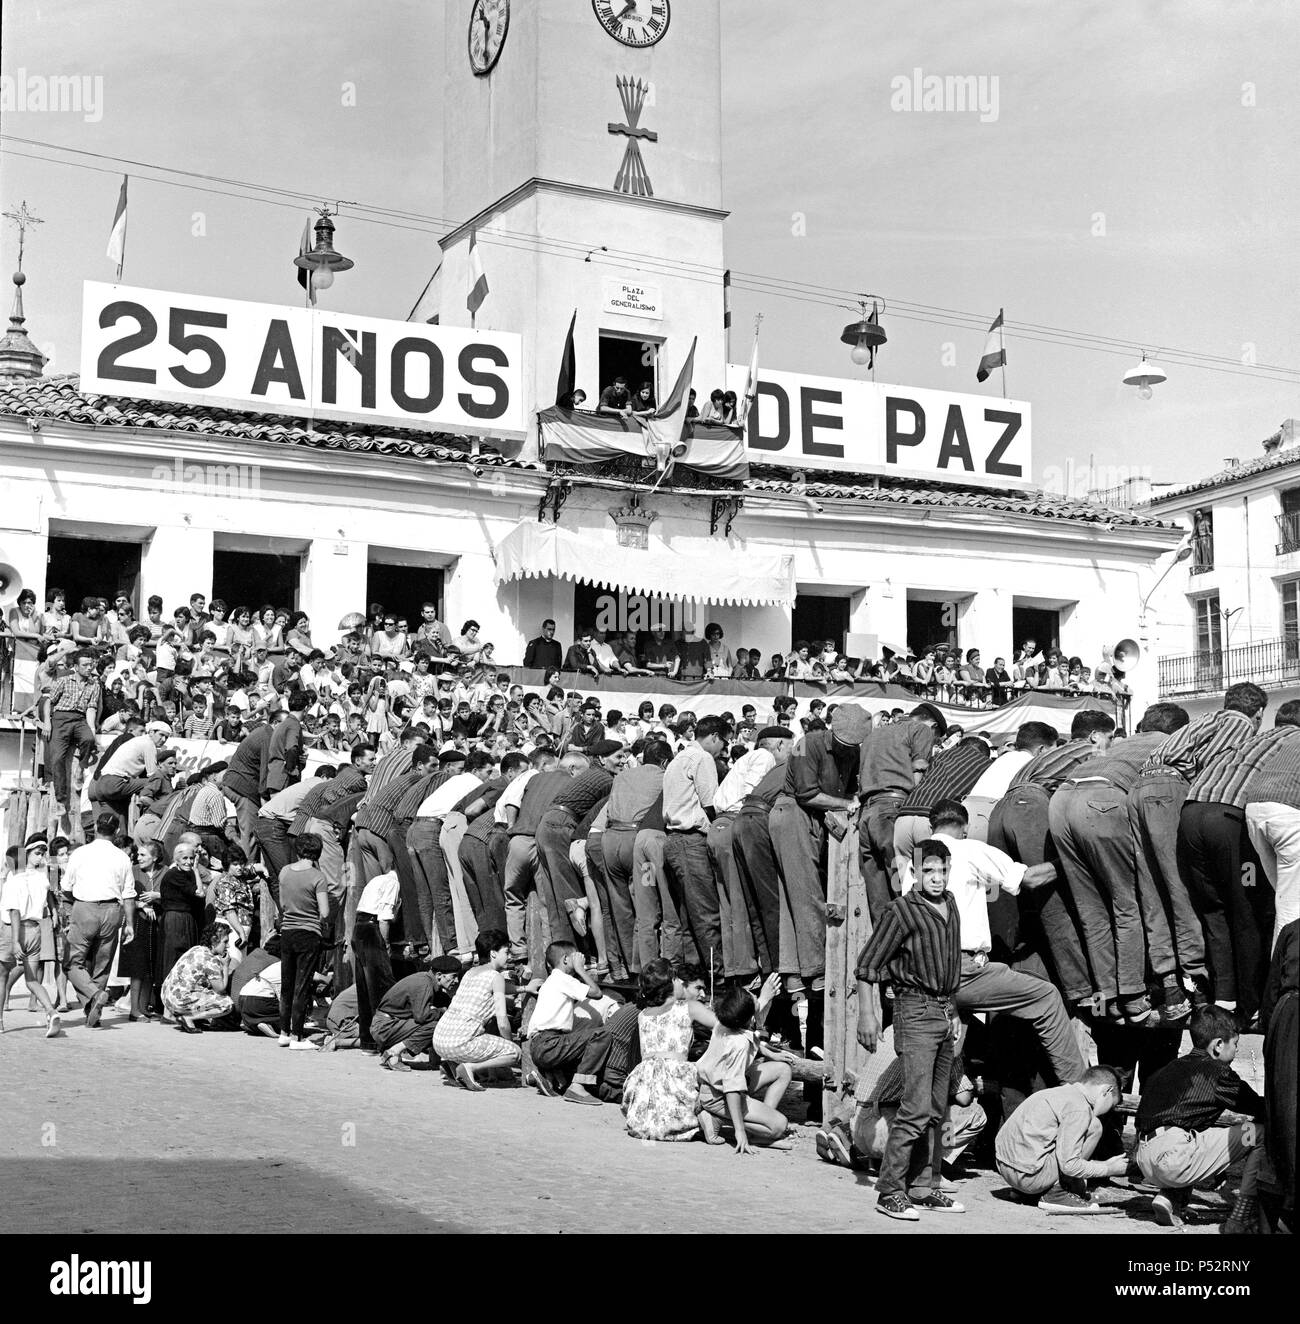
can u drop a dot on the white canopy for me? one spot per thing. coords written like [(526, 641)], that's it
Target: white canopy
[(533, 550)]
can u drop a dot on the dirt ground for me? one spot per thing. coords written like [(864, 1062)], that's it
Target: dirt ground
[(139, 1128)]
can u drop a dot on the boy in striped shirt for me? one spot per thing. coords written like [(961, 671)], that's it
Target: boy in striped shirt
[(916, 947)]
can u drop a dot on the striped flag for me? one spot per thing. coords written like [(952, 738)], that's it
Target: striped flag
[(478, 285), (116, 250), (995, 353), (428, 306), (304, 274), (726, 300), (751, 379)]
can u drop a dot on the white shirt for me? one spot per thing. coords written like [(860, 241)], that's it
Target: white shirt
[(264, 984), (25, 892), (512, 795), (380, 896), (554, 1009), (98, 871), (976, 873), (996, 778), (448, 795), (745, 774), (135, 758)]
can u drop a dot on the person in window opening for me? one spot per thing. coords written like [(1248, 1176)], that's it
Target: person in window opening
[(469, 644), (579, 398), (1202, 540), (615, 398), (629, 657), (1000, 678), (88, 624), (643, 405), (745, 668), (729, 414), (58, 624), (544, 653), (582, 655), (661, 655), (777, 669), (198, 607), (797, 666), (713, 410), (692, 412), (24, 620), (718, 662)]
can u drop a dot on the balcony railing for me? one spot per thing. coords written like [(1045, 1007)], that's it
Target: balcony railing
[(1272, 662), (1288, 533)]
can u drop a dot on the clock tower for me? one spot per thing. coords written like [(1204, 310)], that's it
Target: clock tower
[(582, 154)]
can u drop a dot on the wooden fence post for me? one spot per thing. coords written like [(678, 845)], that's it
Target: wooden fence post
[(848, 926)]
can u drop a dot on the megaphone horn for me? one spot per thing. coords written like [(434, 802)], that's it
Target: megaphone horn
[(11, 583), (1127, 655), (679, 450)]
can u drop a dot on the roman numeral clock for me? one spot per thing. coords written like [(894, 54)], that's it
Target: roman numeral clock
[(489, 21), (634, 22)]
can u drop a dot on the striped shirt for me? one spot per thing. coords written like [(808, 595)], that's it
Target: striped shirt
[(1266, 767), (1193, 1092), (1119, 765), (395, 763), (950, 777), (405, 810), (199, 728), (1053, 766), (71, 694), (348, 781), (915, 947), (377, 813), (1188, 752)]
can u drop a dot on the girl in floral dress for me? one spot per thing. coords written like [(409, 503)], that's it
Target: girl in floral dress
[(661, 1093), (461, 1039)]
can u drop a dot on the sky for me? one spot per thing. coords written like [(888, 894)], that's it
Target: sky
[(1138, 182)]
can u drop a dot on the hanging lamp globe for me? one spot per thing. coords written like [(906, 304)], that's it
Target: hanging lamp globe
[(322, 262), (1144, 376), (866, 335)]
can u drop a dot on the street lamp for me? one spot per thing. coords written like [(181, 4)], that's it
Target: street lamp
[(322, 261), (1144, 376), (1227, 642), (866, 335)]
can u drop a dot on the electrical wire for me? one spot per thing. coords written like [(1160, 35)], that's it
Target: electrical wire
[(752, 282)]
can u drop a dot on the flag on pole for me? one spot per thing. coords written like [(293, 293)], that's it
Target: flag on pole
[(726, 300), (568, 377), (116, 250), (428, 306), (995, 353), (304, 275), (664, 430), (478, 285), (751, 378)]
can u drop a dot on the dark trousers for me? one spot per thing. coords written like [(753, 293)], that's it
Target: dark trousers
[(579, 1053), (259, 1011), (70, 738), (1043, 923), (556, 878), (1091, 829), (751, 844), (1174, 936), (481, 871), (923, 1039), (372, 971), (429, 869), (416, 914), (616, 907), (1220, 868), (299, 949), (689, 873), (277, 849), (114, 793), (389, 1031), (876, 841)]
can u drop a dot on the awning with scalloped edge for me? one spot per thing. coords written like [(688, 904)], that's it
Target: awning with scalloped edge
[(535, 551)]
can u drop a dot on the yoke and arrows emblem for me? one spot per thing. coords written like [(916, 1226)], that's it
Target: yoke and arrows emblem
[(632, 177)]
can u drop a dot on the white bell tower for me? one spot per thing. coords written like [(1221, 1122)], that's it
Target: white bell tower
[(582, 148)]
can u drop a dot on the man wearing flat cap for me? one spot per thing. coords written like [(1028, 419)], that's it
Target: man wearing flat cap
[(820, 792), (408, 1014), (129, 765), (742, 936), (894, 759)]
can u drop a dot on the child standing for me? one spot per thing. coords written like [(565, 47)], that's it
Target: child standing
[(732, 1085), (917, 948), (1178, 1141)]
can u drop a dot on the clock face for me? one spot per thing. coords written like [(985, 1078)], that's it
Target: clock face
[(634, 22), (489, 21)]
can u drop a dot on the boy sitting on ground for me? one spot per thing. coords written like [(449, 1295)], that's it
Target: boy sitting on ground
[(556, 1045), (1179, 1144), (1045, 1147)]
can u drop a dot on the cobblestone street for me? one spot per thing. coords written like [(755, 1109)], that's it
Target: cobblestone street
[(138, 1128)]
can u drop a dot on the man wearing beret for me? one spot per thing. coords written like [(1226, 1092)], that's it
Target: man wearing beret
[(408, 1014)]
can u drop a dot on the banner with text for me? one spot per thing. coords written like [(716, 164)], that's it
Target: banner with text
[(155, 345), (805, 422)]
